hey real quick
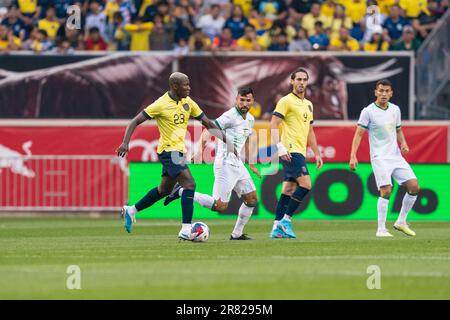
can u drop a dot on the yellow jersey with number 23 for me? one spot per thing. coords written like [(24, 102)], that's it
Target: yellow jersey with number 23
[(172, 119)]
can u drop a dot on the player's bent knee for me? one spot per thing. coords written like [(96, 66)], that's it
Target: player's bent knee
[(253, 202), (415, 189)]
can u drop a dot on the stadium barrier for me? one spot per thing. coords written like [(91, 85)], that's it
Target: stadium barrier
[(38, 169), (62, 183)]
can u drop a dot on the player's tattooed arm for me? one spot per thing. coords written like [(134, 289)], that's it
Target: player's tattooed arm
[(401, 138), (355, 145), (122, 150)]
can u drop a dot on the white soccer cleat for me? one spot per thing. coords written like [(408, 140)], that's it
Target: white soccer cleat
[(383, 234)]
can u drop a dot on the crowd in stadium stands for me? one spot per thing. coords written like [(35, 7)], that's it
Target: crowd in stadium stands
[(216, 25)]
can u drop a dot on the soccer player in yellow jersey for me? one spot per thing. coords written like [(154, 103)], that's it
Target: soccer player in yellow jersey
[(171, 112), (295, 115)]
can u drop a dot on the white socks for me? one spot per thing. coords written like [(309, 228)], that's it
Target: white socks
[(407, 204), (275, 224), (202, 199), (186, 228), (287, 217), (382, 207), (244, 215)]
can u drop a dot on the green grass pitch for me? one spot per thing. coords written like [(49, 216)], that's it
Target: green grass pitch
[(329, 260)]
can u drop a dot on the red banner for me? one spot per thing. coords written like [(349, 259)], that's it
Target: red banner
[(428, 144)]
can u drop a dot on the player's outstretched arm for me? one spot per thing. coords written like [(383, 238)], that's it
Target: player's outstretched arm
[(312, 142), (355, 145), (401, 138), (123, 148), (217, 132)]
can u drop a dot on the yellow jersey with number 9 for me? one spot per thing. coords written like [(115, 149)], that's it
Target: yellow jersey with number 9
[(172, 119), (297, 115)]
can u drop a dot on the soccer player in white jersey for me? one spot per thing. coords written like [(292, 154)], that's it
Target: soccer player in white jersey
[(383, 121), (229, 171)]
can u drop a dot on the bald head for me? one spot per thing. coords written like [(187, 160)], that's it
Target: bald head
[(179, 84)]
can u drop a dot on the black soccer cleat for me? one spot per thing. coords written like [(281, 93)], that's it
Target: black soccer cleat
[(173, 195), (242, 237)]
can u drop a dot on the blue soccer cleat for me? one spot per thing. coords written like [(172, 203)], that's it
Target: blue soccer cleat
[(278, 234), (128, 221), (286, 227), (173, 195)]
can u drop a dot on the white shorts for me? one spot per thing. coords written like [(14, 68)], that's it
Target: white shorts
[(229, 178), (384, 169)]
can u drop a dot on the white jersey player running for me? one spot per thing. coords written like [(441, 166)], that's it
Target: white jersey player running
[(383, 121), (229, 171)]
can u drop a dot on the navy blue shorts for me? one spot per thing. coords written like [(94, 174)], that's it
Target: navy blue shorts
[(295, 168), (173, 163)]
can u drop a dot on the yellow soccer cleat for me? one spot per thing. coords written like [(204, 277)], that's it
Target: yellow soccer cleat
[(405, 229)]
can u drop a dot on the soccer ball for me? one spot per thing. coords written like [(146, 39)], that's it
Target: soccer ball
[(199, 232)]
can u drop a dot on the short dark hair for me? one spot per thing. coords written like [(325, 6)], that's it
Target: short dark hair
[(293, 74), (245, 91), (384, 82)]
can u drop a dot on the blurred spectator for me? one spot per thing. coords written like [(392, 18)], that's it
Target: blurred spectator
[(161, 37), (181, 48), (272, 9), (298, 8), (301, 42), (319, 40), (8, 41), (356, 10), (74, 38), (184, 20), (377, 43), (395, 23), (236, 22), (50, 24), (327, 8), (339, 20), (61, 9), (199, 41), (15, 23), (127, 9), (408, 41), (246, 6), (413, 8), (343, 42), (121, 37), (38, 41), (30, 10), (96, 18), (140, 34), (250, 41), (3, 13), (385, 6), (261, 23), (372, 20), (225, 41), (94, 41), (279, 42), (426, 20), (311, 18), (212, 23)]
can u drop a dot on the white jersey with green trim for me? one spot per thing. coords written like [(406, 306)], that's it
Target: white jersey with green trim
[(382, 125), (237, 129)]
